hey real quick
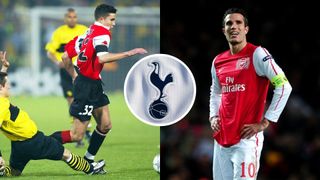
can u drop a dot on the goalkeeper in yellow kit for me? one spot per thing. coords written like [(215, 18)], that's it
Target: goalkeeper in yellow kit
[(27, 142)]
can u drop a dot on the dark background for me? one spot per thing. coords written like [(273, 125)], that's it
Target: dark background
[(192, 32)]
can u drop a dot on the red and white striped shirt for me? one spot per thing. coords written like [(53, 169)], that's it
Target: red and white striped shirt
[(239, 90)]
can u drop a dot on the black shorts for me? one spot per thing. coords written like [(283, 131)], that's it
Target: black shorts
[(88, 95), (66, 83), (38, 147)]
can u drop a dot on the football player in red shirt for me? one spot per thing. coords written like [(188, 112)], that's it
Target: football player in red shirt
[(89, 98), (240, 81)]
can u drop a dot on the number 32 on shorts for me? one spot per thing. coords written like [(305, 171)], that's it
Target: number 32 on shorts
[(87, 110), (248, 170)]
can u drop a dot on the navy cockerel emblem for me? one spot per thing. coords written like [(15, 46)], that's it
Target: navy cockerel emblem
[(158, 109)]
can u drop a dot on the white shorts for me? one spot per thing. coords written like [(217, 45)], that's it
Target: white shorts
[(240, 161)]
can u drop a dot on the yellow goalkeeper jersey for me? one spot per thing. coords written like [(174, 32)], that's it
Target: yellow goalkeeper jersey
[(14, 122), (61, 36)]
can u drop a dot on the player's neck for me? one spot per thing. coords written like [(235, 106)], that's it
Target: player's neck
[(2, 95), (236, 48), (100, 24), (71, 27)]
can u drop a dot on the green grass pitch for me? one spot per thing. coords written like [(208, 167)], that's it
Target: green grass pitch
[(128, 149)]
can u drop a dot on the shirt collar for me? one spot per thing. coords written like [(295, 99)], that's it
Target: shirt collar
[(99, 24)]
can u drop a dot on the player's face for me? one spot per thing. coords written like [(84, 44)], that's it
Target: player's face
[(110, 20), (4, 90), (71, 19), (235, 29)]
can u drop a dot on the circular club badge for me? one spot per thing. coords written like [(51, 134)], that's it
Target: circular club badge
[(159, 89)]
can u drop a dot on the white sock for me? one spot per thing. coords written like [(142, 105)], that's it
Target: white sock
[(89, 156), (69, 159)]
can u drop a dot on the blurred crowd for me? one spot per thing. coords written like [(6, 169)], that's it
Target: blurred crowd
[(292, 146)]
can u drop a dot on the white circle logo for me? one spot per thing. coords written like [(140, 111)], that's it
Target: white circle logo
[(159, 89)]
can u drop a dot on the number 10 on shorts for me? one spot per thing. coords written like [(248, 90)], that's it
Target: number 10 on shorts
[(248, 170), (87, 110)]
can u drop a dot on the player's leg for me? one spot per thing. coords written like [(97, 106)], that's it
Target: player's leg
[(17, 164), (78, 130), (81, 108), (76, 162), (80, 164), (70, 100), (246, 158), (67, 88), (62, 136), (88, 131), (75, 134), (100, 113), (79, 127), (102, 118), (46, 147), (10, 171), (66, 85), (18, 159), (222, 167)]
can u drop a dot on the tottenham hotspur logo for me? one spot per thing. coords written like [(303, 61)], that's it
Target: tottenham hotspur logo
[(158, 109), (152, 89)]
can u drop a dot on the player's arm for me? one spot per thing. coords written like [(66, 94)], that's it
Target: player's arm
[(68, 65), (4, 62), (53, 58), (111, 57), (265, 66), (71, 50), (215, 101), (51, 48), (101, 43)]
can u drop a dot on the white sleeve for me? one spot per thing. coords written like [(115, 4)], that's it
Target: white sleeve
[(101, 44), (80, 39), (78, 43), (265, 65), (215, 93)]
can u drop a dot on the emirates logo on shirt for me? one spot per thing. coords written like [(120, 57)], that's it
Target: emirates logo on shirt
[(243, 63), (231, 86)]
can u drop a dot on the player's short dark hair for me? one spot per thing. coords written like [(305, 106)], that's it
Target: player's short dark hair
[(103, 10), (3, 76), (236, 10), (69, 10)]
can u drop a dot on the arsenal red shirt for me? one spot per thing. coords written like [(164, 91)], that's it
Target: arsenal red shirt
[(239, 91)]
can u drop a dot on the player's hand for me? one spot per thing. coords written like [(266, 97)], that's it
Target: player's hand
[(215, 124), (60, 64), (136, 51), (3, 59), (2, 164), (250, 130)]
